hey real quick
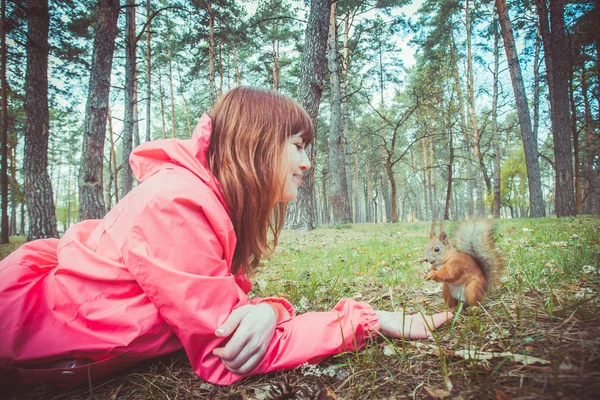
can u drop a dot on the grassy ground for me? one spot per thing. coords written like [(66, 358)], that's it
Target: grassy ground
[(535, 337)]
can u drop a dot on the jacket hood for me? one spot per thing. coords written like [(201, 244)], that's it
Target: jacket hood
[(151, 157)]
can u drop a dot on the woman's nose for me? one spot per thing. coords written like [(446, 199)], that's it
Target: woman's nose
[(305, 162)]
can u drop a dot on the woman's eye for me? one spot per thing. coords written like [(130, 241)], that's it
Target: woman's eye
[(437, 249)]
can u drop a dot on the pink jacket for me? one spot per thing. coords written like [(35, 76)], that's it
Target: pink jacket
[(151, 277)]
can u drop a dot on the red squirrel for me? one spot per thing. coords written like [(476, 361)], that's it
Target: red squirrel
[(470, 267)]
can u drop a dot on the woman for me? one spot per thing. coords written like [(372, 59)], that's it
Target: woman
[(167, 267)]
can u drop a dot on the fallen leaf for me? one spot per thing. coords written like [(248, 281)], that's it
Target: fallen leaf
[(388, 351), (437, 393), (484, 356), (327, 394), (448, 384), (501, 395)]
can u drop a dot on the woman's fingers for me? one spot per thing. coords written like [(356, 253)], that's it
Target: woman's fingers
[(419, 327), (232, 322), (249, 365)]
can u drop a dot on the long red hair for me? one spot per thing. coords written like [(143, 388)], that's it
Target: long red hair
[(250, 127)]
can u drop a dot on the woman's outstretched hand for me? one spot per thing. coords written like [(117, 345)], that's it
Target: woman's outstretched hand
[(252, 327), (416, 326)]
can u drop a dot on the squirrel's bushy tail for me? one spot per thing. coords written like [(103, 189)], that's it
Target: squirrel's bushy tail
[(476, 238)]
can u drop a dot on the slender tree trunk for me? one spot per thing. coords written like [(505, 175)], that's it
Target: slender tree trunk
[(211, 54), (352, 188), (238, 76), (575, 135), (337, 162), (4, 181), (148, 72), (495, 139), (162, 105), (358, 217), (171, 91), (301, 213), (220, 92), (38, 188), (276, 70), (475, 130), (536, 86), (590, 178), (128, 121), (113, 157), (466, 140), (565, 200), (136, 119), (529, 140), (14, 185)]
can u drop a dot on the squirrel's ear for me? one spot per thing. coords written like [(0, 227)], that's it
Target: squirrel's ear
[(443, 237), (432, 235)]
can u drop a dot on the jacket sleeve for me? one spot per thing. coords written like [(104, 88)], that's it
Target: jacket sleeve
[(177, 255)]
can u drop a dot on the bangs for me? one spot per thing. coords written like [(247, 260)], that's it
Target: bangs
[(301, 123)]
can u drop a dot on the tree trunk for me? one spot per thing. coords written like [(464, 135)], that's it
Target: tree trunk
[(475, 130), (211, 55), (565, 199), (301, 213), (148, 73), (38, 188), (91, 190), (495, 139), (238, 76), (4, 181), (450, 168), (128, 121), (162, 105), (276, 69), (113, 157), (171, 91), (529, 141), (575, 135), (466, 139), (337, 163), (589, 175)]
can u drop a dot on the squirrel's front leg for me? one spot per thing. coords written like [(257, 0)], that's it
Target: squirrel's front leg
[(432, 275)]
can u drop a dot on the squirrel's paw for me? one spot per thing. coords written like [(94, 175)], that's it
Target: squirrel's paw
[(429, 275)]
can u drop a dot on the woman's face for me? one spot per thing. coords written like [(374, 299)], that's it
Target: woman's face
[(294, 162)]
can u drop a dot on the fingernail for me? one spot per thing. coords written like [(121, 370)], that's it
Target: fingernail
[(220, 331)]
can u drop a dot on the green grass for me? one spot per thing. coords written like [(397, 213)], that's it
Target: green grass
[(546, 306)]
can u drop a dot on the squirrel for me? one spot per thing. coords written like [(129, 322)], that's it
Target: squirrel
[(468, 269)]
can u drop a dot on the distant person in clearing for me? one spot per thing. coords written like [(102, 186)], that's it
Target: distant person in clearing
[(167, 268)]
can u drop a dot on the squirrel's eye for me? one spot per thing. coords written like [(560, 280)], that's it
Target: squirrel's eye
[(437, 249)]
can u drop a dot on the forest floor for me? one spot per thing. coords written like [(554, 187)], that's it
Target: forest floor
[(536, 336)]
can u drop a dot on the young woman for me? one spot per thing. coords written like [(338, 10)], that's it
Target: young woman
[(167, 267)]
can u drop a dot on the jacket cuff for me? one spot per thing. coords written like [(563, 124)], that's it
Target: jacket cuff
[(284, 308)]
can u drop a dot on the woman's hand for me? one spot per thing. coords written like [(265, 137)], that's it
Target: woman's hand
[(415, 326), (252, 327)]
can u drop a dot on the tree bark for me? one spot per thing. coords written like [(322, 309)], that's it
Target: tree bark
[(38, 188), (113, 157), (211, 54), (4, 181), (475, 130), (589, 175), (565, 198), (529, 141), (301, 213), (91, 193), (337, 163), (148, 72), (495, 139), (128, 121)]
